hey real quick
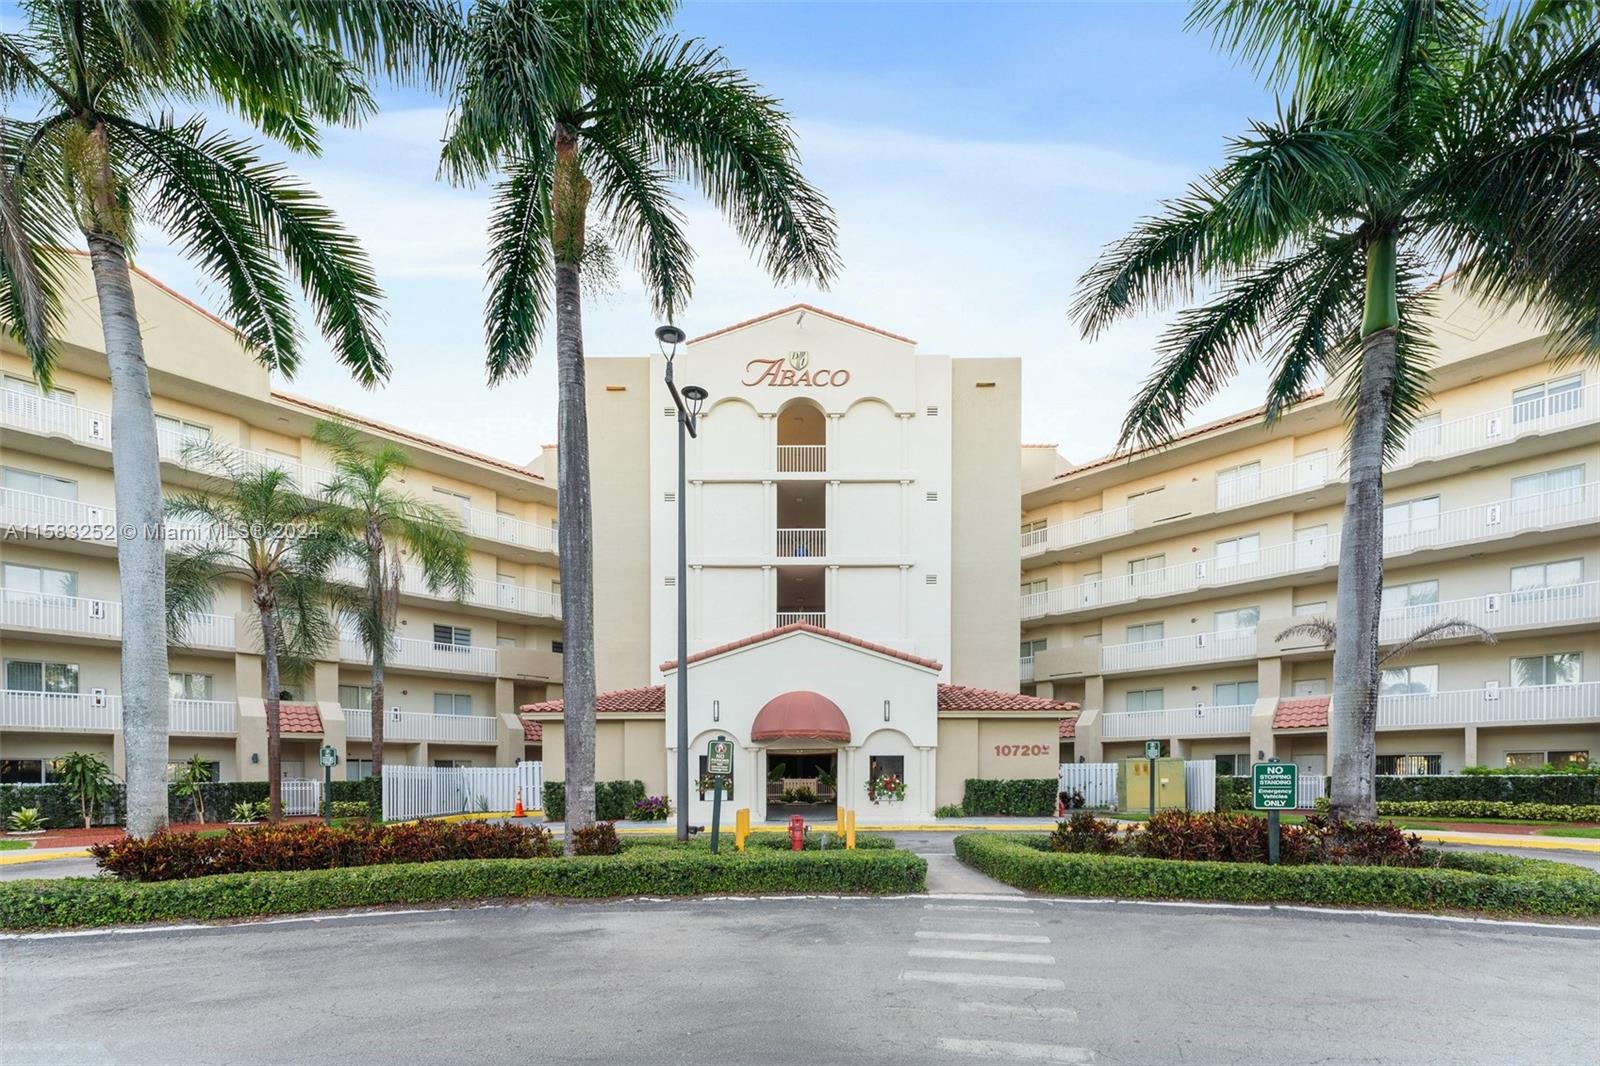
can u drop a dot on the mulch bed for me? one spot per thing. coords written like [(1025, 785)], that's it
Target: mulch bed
[(104, 834)]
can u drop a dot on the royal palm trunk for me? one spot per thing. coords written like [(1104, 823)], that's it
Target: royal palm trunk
[(569, 203), (269, 651), (375, 591)]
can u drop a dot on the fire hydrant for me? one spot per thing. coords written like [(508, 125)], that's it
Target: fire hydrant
[(797, 832)]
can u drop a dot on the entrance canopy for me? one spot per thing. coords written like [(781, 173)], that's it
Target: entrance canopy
[(800, 716)]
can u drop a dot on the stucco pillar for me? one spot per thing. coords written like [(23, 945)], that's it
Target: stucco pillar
[(1269, 678), (1087, 744), (119, 755), (1263, 741), (248, 679), (1469, 746), (1094, 692), (925, 791), (510, 744), (1178, 748)]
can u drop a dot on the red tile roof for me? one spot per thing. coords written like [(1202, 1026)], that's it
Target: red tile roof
[(532, 732), (1068, 730), (299, 718), (800, 307), (652, 700), (962, 698), (1302, 712), (803, 627)]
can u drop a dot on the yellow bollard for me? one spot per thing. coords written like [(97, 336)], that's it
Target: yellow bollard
[(838, 823), (741, 827), (850, 830)]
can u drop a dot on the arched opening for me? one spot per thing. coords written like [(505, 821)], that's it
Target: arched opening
[(802, 438)]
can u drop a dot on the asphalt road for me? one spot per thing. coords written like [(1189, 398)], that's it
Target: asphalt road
[(925, 980)]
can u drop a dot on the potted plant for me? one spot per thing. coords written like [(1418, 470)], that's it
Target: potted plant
[(25, 822), (890, 787), (190, 776), (88, 778)]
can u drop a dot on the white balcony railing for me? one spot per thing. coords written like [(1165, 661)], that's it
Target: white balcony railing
[(1528, 608), (203, 716), (55, 518), (60, 711), (802, 543), (502, 595), (810, 618), (32, 413), (1179, 651), (99, 618), (802, 458), (427, 655), (1090, 527), (1176, 722), (1025, 668), (419, 725), (1465, 525), (1536, 703)]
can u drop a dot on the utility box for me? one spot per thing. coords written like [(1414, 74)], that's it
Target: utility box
[(1133, 785)]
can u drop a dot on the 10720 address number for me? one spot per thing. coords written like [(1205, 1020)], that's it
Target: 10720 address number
[(1022, 749)]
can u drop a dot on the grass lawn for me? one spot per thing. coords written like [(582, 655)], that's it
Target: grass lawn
[(15, 845), (1590, 832), (1546, 827)]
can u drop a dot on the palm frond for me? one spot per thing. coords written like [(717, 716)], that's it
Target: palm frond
[(409, 41), (634, 197), (32, 259), (1434, 632), (521, 270), (1414, 355), (1320, 630)]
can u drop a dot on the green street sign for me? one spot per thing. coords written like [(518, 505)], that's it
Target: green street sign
[(1152, 749), (1274, 786), (329, 755), (719, 757)]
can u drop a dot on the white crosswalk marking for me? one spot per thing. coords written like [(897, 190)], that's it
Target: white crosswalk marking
[(1015, 1010), (975, 919), (993, 980), (1004, 1049), (983, 956), (987, 938), (975, 907)]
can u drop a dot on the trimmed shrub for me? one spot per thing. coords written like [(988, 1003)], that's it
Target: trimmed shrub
[(1498, 884), (1018, 797), (59, 807), (1543, 812), (656, 871), (349, 809), (597, 839), (652, 809), (1085, 832), (171, 856), (613, 800), (1576, 789), (812, 842), (949, 810)]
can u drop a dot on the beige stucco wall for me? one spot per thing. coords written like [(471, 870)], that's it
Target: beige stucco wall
[(618, 392), (968, 749)]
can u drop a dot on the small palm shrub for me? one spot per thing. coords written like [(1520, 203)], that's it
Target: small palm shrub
[(25, 820)]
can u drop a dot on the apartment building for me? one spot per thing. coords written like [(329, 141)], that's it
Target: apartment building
[(459, 669), (1155, 586)]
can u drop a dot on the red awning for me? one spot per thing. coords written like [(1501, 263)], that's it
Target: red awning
[(800, 716)]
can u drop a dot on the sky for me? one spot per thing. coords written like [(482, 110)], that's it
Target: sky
[(977, 157)]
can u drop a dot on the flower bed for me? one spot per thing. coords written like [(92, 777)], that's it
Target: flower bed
[(642, 870), (1533, 812), (1485, 883)]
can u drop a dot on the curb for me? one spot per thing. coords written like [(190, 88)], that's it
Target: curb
[(43, 856)]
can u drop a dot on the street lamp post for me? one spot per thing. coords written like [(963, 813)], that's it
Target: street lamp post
[(689, 401)]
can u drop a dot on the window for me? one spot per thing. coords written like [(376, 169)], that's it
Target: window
[(1410, 681), (179, 432), (1034, 588), (1235, 618), (175, 768), (1411, 765), (24, 675), (451, 764), (1569, 758), (455, 501), (186, 686), (506, 642), (1560, 668), (1541, 581), (1313, 608), (356, 769), (13, 383), (558, 646), (883, 765), (48, 580), (451, 636), (1030, 648), (1311, 686), (1411, 516), (452, 703), (1234, 693), (1418, 598), (1234, 764), (1532, 402), (1138, 634), (1239, 551), (1550, 488), (1533, 760), (1034, 532), (1142, 571), (1427, 433), (1241, 482), (355, 697), (1145, 699), (57, 488), (27, 772)]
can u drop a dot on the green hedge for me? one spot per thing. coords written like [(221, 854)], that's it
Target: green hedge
[(60, 808), (613, 800), (1543, 812), (1024, 797), (1498, 884), (1566, 789), (655, 871)]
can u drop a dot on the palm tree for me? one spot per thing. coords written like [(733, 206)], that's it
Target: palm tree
[(383, 526), (1411, 137), (590, 115), (103, 154), (264, 531)]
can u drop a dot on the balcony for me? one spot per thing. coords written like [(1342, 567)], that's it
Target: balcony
[(1190, 650), (491, 525), (81, 712), (421, 726), (85, 617), (1544, 608), (426, 655), (52, 518), (1556, 509), (810, 618), (802, 458), (802, 543), (1025, 668), (1497, 705), (1176, 722), (1474, 433), (495, 595), (203, 716)]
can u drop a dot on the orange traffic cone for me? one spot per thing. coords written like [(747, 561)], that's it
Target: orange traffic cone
[(517, 811)]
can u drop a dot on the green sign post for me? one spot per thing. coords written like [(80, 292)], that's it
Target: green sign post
[(719, 764), (329, 757), (1152, 751), (1273, 789)]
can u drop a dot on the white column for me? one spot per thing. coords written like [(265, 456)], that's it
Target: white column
[(829, 437), (830, 499), (769, 512), (771, 423), (697, 616), (905, 441), (905, 601), (830, 594), (905, 518), (769, 594)]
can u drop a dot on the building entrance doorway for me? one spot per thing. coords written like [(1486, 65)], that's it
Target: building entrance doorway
[(803, 783)]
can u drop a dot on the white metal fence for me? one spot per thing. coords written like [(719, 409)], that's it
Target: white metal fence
[(1308, 788), (432, 791), (301, 797), (1096, 780), (802, 543), (802, 458), (1200, 784)]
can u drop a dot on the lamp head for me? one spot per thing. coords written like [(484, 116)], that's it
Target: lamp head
[(696, 398), (668, 337)]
